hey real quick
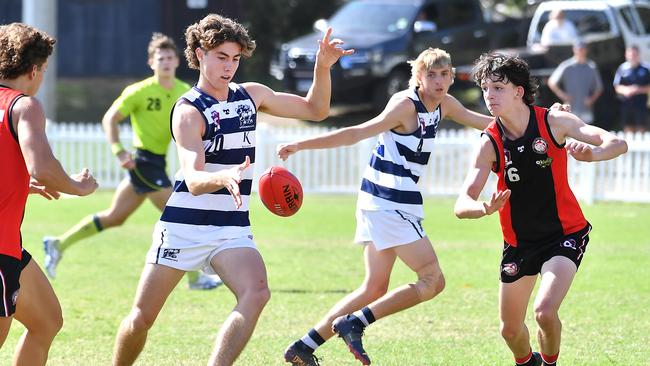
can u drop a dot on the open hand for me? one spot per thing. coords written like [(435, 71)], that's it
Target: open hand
[(231, 178), (561, 107), (36, 187), (329, 51), (580, 151), (496, 202)]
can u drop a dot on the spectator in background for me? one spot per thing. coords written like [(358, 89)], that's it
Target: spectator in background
[(632, 84), (558, 30), (577, 82)]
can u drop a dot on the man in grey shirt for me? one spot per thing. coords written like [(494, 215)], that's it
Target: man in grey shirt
[(580, 83)]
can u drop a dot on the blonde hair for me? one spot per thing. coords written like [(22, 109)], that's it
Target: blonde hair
[(427, 60), (212, 31), (160, 41)]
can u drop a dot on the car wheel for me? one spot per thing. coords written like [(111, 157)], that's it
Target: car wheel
[(396, 81)]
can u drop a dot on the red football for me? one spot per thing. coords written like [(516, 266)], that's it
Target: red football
[(280, 191)]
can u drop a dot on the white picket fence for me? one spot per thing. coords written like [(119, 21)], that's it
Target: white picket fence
[(339, 170)]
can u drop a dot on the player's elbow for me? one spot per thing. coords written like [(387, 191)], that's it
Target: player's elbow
[(41, 171), (321, 114), (621, 145), (195, 188), (459, 209)]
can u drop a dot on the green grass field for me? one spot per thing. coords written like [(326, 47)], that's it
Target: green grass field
[(311, 263)]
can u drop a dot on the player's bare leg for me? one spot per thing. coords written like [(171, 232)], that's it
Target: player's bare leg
[(379, 265), (5, 325), (156, 283), (243, 271), (39, 311), (557, 275), (125, 202), (513, 302), (160, 198), (420, 257)]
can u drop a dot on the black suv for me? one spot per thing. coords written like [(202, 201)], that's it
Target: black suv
[(386, 34)]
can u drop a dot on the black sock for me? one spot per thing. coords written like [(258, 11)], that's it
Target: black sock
[(363, 317)]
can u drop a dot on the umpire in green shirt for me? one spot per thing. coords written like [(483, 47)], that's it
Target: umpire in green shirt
[(148, 103)]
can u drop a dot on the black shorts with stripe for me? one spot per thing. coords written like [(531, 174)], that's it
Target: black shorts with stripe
[(527, 261), (10, 270), (149, 174)]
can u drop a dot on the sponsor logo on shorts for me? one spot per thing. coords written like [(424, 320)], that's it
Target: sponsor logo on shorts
[(570, 243), (510, 269), (540, 145), (171, 254)]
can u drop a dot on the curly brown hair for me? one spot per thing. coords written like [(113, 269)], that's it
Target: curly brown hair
[(505, 68), (212, 31), (162, 42), (22, 47)]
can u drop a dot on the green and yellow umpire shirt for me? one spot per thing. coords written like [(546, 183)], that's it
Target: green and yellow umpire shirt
[(148, 105)]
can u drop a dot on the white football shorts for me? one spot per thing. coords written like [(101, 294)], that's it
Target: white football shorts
[(193, 256), (387, 228)]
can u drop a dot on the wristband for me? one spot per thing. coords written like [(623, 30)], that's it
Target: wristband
[(117, 148)]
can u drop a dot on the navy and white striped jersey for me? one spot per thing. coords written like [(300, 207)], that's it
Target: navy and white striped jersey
[(390, 179), (229, 137)]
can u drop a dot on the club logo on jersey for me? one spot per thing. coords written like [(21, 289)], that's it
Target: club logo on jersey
[(520, 149), (540, 146), (544, 163), (245, 116), (510, 269), (216, 120)]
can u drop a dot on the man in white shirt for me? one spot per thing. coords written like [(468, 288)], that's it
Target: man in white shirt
[(558, 30)]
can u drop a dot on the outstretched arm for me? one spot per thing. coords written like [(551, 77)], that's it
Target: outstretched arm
[(467, 205), (188, 127), (590, 143), (392, 117), (315, 106), (45, 170), (457, 112)]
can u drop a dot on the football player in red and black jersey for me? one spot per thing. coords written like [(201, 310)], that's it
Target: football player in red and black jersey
[(544, 230), (28, 166)]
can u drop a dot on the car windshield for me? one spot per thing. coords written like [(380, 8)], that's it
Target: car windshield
[(361, 16), (586, 22)]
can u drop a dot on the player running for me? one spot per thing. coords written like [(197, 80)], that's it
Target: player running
[(544, 230), (148, 104)]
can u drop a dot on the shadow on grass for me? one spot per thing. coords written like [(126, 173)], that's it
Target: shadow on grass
[(303, 291)]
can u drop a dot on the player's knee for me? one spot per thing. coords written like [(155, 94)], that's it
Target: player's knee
[(375, 290), (430, 283), (546, 316), (139, 320), (510, 331), (257, 297), (50, 327)]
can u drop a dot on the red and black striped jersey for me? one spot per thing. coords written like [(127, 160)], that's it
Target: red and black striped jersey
[(542, 206), (15, 178)]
